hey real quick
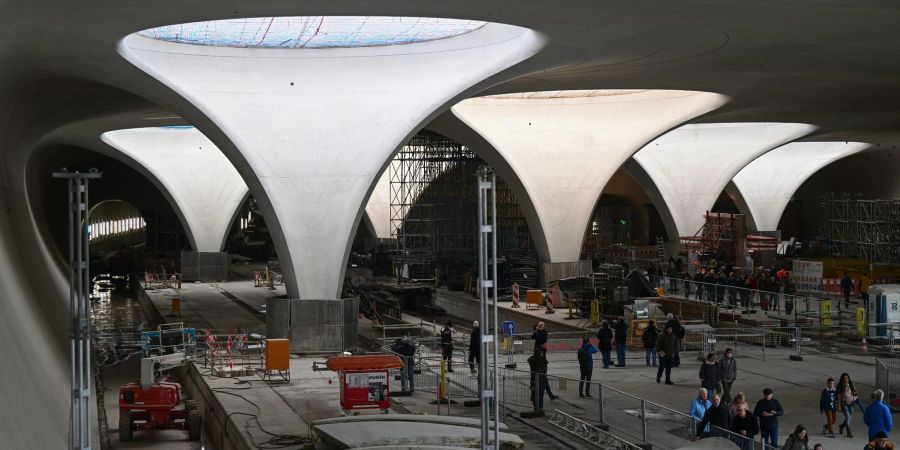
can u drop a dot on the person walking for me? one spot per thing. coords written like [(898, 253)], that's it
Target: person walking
[(709, 373), (649, 337), (733, 284), (846, 288), (539, 336), (407, 352), (767, 410), (789, 290), (698, 410), (621, 338), (678, 331), (537, 363), (847, 397), (447, 344), (475, 348), (686, 279), (727, 374), (586, 366), (698, 284), (878, 416), (665, 347), (744, 424), (710, 284), (828, 404), (605, 338), (879, 442), (798, 440), (717, 417)]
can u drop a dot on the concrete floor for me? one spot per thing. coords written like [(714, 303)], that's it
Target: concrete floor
[(314, 395)]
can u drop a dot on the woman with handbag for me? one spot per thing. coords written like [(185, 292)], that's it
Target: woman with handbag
[(847, 397)]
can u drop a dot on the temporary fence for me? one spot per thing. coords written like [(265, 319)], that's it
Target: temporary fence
[(162, 280), (230, 352), (887, 378)]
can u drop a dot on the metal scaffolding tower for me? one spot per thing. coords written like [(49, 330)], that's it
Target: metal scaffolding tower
[(610, 225), (434, 204), (79, 305), (861, 228), (720, 235)]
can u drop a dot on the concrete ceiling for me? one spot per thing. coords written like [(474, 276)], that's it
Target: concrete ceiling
[(831, 64)]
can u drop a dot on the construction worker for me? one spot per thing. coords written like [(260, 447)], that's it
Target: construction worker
[(447, 344)]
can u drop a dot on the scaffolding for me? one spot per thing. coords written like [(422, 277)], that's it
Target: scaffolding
[(434, 209), (861, 228), (610, 226), (720, 236)]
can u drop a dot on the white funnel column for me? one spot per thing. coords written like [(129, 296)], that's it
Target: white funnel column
[(768, 183), (691, 165), (206, 188), (566, 145), (315, 127), (379, 207)]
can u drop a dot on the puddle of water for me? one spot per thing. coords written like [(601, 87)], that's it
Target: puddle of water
[(116, 320)]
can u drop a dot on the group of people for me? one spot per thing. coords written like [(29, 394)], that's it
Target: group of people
[(715, 416), (722, 284), (722, 416)]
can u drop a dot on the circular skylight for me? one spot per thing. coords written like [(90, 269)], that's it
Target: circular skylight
[(312, 31)]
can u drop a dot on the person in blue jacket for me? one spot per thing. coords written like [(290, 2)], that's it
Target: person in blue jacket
[(586, 365), (698, 410), (878, 416)]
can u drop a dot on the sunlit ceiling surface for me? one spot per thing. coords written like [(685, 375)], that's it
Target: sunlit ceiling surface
[(312, 31)]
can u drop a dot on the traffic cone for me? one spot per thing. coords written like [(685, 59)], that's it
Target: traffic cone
[(865, 348)]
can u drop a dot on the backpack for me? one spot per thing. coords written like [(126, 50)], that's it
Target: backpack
[(582, 356)]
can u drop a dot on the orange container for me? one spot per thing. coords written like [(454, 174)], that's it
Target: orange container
[(278, 354), (534, 297)]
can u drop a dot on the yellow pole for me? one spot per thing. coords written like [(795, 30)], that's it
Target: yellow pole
[(595, 312), (442, 387)]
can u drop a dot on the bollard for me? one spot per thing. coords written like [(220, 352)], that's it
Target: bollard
[(643, 421), (600, 402), (176, 306), (798, 335)]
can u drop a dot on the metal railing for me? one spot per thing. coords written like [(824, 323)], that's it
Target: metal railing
[(812, 307)]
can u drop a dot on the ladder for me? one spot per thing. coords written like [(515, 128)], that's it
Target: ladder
[(660, 250)]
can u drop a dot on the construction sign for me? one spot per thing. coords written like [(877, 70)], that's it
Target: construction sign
[(826, 313)]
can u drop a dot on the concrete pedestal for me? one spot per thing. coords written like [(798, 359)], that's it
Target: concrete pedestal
[(314, 326)]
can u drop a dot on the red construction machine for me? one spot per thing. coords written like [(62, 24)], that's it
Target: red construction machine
[(153, 403)]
